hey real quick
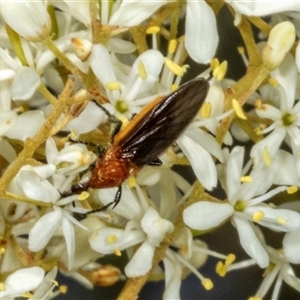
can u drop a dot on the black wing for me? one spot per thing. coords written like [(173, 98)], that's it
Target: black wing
[(164, 123)]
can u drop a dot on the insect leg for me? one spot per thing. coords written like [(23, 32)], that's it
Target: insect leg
[(76, 188), (112, 119), (114, 203)]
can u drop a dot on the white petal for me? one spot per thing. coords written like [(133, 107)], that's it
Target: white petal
[(277, 219), (155, 226), (205, 215), (291, 246), (46, 285), (27, 125), (6, 150), (207, 141), (43, 230), (148, 176), (101, 64), (202, 163), (8, 119), (251, 243), (298, 57), (7, 74), (79, 10), (28, 18), (132, 13), (88, 120), (129, 206), (152, 61), (123, 239), (9, 61), (117, 45), (22, 281), (288, 168), (141, 262), (272, 143), (269, 112), (24, 84), (68, 231), (51, 150), (261, 8), (201, 40), (36, 188), (286, 75), (172, 278), (234, 171)]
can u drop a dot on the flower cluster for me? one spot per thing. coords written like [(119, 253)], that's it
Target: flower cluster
[(78, 78)]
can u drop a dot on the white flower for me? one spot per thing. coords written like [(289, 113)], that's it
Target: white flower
[(22, 281), (291, 243), (33, 182), (72, 159), (147, 225), (25, 80), (150, 232), (125, 88), (30, 19), (245, 206), (285, 118)]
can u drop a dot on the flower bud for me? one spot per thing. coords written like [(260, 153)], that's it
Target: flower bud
[(281, 40), (82, 48), (106, 275)]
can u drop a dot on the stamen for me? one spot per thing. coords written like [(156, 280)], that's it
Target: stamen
[(131, 182), (2, 287), (238, 109), (172, 46), (221, 269), (207, 283), (258, 216), (205, 110), (55, 282), (153, 30), (175, 87), (281, 221), (214, 63), (247, 179), (113, 86), (292, 189), (63, 289), (266, 157), (219, 72), (174, 68), (111, 238), (273, 82), (117, 252), (27, 295), (83, 196), (241, 50), (230, 259), (142, 70)]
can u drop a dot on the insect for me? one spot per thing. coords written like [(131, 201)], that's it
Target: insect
[(148, 135)]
